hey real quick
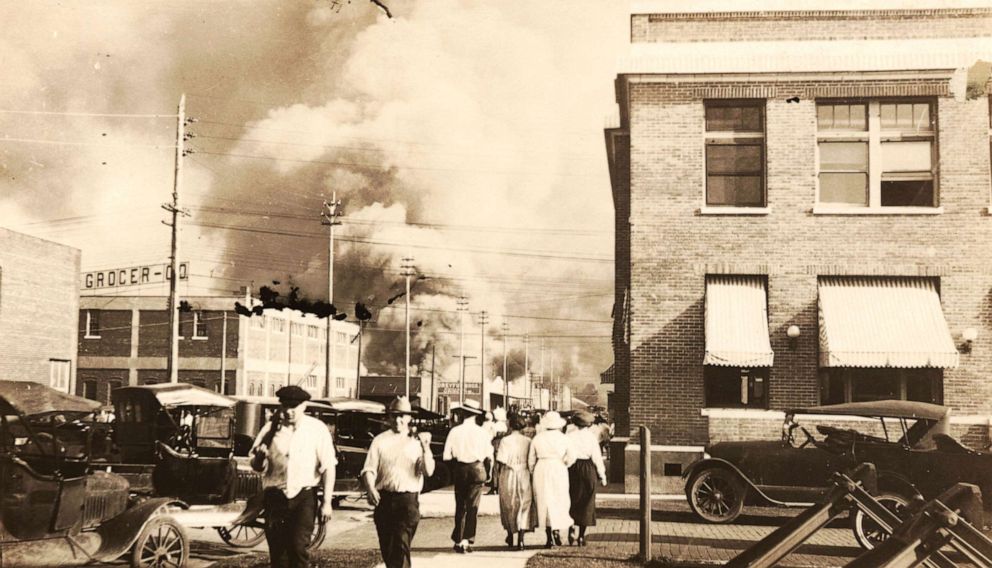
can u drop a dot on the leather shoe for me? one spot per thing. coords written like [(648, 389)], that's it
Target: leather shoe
[(571, 536), (557, 536), (459, 548), (581, 541), (468, 549)]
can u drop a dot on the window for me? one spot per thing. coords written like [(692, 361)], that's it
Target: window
[(875, 154), (89, 390), (111, 386), (58, 374), (339, 382), (278, 325), (736, 387), (258, 322), (92, 324), (735, 153), (312, 381), (199, 325), (296, 328), (312, 331), (843, 384)]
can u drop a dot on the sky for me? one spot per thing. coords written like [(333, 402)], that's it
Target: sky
[(467, 135)]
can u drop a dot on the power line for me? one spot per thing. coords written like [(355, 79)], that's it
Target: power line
[(86, 114), (93, 144)]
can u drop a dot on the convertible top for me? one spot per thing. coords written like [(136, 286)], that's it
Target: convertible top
[(28, 398), (175, 394), (345, 404), (880, 408)]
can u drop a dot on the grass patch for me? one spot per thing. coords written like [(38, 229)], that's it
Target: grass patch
[(333, 558)]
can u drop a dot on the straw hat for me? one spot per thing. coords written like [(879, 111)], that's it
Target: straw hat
[(399, 405), (583, 418), (499, 415), (552, 421)]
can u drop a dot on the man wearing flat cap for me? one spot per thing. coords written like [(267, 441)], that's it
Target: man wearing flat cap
[(469, 449), (394, 471), (298, 458)]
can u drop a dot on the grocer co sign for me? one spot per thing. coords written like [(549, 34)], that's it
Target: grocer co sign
[(132, 276)]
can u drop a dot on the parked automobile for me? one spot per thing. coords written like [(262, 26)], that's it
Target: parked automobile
[(908, 443), (55, 510)]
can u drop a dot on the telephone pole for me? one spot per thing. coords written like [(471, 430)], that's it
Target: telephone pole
[(176, 211), (528, 388), (462, 310), (541, 380), (329, 216), (506, 379), (483, 320), (408, 272), (554, 391)]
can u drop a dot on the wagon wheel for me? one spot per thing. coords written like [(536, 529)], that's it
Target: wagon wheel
[(162, 544), (870, 534), (243, 536), (716, 495), (318, 534)]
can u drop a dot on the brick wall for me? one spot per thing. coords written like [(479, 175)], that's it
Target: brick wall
[(113, 337), (39, 303), (673, 245), (810, 25), (153, 335)]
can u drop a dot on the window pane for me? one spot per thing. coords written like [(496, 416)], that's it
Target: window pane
[(841, 117), (733, 118), (843, 156), (733, 159), (921, 117), (740, 191), (888, 116), (824, 116), (906, 156), (844, 189), (911, 193), (906, 116), (881, 385)]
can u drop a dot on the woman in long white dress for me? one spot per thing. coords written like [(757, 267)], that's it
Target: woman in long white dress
[(516, 498), (550, 456)]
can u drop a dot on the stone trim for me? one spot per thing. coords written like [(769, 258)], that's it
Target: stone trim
[(821, 15)]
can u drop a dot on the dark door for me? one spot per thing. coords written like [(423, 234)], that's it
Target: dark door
[(28, 500)]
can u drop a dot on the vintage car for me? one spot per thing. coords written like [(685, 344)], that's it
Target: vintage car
[(55, 510), (908, 443)]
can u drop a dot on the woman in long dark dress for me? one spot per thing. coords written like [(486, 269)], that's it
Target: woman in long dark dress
[(583, 474)]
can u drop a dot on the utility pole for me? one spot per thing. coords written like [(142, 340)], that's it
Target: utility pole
[(408, 272), (329, 216), (554, 391), (176, 211), (483, 320), (430, 393), (358, 370), (541, 380), (506, 379), (462, 310), (528, 387)]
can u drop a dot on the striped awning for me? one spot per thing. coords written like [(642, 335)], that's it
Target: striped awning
[(883, 322), (737, 322)]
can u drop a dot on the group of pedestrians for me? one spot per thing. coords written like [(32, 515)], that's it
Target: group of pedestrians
[(548, 482)]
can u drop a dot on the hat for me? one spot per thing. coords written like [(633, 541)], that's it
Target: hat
[(399, 405), (499, 415), (292, 395), (583, 418), (470, 406), (552, 421)]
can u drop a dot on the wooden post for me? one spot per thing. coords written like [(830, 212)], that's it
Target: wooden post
[(645, 436)]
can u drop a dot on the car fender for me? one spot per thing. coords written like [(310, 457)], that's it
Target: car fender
[(894, 481), (118, 535), (707, 463)]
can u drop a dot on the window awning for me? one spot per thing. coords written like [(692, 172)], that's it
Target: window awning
[(883, 322), (737, 322)]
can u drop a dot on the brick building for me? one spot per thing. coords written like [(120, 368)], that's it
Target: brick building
[(39, 282), (124, 340), (802, 217)]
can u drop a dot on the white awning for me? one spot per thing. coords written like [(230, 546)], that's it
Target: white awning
[(883, 322), (737, 322)]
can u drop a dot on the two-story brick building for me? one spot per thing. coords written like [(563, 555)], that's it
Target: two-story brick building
[(802, 204), (39, 283), (124, 340)]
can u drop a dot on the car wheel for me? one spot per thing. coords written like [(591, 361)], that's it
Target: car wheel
[(317, 537), (242, 536), (716, 495), (162, 543), (870, 534)]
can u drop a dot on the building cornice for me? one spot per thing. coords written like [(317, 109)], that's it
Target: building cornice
[(818, 15)]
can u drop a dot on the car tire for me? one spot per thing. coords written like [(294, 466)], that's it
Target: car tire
[(866, 531), (162, 542), (318, 535), (243, 536), (716, 495)]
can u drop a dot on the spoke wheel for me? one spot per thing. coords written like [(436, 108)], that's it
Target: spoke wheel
[(870, 534), (242, 536), (317, 537), (162, 544), (716, 495)]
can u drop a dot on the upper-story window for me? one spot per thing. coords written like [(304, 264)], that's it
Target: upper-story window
[(92, 324), (735, 153), (312, 331), (199, 325), (877, 153), (278, 325)]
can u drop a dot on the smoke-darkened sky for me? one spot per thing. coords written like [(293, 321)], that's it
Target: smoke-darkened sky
[(465, 134)]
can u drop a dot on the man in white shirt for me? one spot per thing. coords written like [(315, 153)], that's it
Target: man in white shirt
[(298, 456), (469, 450), (394, 471)]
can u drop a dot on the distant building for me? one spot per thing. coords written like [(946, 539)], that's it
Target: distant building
[(39, 297), (802, 217), (124, 340), (385, 388)]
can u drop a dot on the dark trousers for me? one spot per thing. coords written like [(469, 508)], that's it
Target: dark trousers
[(289, 526), (396, 518), (469, 479)]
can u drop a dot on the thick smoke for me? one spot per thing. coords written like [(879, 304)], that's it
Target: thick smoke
[(461, 114)]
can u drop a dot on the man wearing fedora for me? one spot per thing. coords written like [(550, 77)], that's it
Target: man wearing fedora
[(469, 450), (298, 458), (394, 471)]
